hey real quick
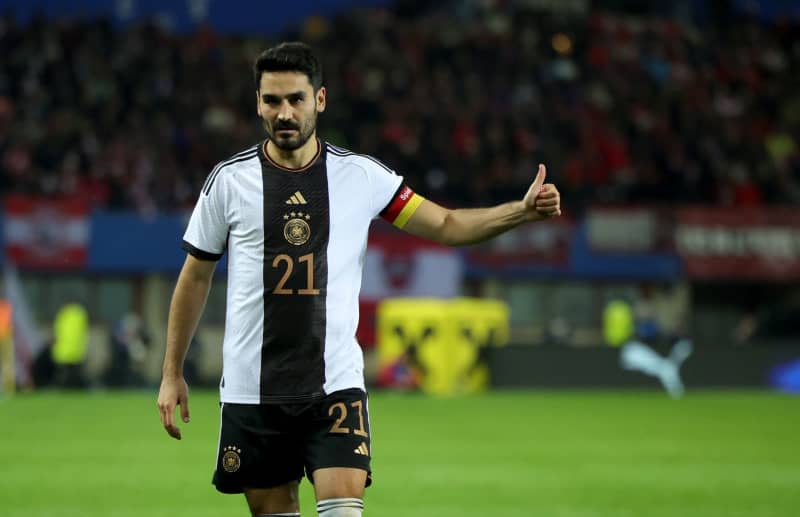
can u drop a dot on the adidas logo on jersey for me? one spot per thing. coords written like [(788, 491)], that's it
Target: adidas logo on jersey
[(296, 199), (362, 449)]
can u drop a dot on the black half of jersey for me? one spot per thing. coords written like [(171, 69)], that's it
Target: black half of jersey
[(296, 232)]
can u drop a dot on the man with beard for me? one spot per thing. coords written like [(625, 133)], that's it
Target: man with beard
[(293, 214)]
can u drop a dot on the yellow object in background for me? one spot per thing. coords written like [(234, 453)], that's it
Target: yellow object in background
[(442, 341), (70, 334), (479, 324), (408, 336)]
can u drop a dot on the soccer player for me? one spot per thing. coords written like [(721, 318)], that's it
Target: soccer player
[(293, 214)]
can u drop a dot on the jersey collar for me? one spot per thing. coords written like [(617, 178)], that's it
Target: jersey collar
[(263, 150)]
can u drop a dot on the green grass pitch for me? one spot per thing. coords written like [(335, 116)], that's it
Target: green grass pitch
[(511, 454)]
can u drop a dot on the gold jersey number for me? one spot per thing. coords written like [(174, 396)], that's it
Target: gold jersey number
[(341, 408), (309, 289)]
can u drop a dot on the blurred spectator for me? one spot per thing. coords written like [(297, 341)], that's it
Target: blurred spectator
[(618, 323), (129, 345), (627, 108), (70, 344), (660, 312), (777, 322), (43, 369)]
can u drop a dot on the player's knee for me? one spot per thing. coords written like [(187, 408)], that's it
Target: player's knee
[(340, 507)]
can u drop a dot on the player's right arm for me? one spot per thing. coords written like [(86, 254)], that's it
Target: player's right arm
[(188, 301), (204, 241)]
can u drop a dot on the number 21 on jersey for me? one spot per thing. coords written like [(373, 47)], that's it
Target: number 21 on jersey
[(288, 262)]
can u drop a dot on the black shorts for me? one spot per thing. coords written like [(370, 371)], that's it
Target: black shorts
[(268, 445)]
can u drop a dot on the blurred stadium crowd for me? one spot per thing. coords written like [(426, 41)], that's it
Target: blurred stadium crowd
[(463, 102)]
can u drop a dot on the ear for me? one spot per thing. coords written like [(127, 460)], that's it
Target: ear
[(322, 95), (258, 103)]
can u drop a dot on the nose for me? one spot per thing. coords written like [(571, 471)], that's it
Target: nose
[(285, 111)]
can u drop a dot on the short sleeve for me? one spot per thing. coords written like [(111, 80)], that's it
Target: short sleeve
[(207, 231), (385, 185)]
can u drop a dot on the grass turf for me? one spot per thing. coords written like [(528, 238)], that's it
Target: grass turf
[(554, 454)]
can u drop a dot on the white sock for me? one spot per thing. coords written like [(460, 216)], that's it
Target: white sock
[(340, 507)]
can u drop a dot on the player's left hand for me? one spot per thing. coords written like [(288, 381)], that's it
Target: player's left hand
[(542, 198)]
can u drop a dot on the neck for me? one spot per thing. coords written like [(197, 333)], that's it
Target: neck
[(296, 159)]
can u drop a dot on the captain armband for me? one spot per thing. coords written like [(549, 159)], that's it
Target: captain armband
[(403, 205)]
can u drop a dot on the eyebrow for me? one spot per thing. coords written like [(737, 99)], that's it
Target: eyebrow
[(294, 95)]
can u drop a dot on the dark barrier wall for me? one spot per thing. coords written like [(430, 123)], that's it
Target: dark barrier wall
[(562, 367)]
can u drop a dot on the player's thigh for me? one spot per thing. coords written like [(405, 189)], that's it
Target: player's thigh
[(279, 499), (338, 445), (258, 449), (337, 482)]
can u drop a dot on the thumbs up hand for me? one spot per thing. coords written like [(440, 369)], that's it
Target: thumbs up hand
[(542, 198)]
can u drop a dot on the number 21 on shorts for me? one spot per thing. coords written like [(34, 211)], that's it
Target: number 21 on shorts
[(339, 409)]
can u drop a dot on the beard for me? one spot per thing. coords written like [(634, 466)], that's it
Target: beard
[(295, 141)]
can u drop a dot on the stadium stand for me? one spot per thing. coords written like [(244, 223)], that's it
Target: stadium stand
[(625, 108)]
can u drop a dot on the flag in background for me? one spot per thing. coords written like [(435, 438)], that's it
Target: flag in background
[(399, 265), (27, 340), (46, 233)]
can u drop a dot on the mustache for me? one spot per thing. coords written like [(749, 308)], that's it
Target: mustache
[(285, 125)]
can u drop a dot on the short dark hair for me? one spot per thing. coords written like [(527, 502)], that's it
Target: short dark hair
[(289, 56)]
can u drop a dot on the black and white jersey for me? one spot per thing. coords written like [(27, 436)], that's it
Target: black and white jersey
[(296, 241)]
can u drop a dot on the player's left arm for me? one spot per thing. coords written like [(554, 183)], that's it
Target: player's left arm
[(464, 226)]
